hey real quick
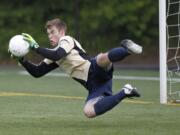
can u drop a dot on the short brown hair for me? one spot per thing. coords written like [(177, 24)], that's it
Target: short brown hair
[(61, 25)]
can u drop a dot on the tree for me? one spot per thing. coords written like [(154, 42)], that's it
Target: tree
[(99, 25)]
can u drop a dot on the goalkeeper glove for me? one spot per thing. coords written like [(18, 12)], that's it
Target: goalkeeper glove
[(33, 44), (18, 59)]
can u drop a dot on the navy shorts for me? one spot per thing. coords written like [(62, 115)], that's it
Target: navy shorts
[(99, 81)]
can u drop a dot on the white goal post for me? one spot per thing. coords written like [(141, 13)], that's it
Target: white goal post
[(162, 51), (169, 50)]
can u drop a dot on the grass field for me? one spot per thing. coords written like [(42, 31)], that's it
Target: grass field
[(53, 105)]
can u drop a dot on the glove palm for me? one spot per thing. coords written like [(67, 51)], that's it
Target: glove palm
[(33, 44), (18, 59)]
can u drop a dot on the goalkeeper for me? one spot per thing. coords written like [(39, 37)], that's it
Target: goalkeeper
[(95, 74)]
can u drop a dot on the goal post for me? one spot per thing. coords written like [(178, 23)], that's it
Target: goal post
[(162, 51), (169, 50)]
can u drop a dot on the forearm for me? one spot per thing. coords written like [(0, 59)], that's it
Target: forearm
[(53, 55), (37, 70)]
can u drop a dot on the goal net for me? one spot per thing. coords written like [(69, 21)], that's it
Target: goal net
[(173, 50)]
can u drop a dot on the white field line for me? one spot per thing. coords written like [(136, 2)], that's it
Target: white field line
[(116, 77)]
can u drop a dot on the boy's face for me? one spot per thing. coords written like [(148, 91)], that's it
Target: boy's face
[(54, 34)]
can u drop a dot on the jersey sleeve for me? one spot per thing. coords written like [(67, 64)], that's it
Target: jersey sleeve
[(52, 54), (40, 69), (66, 43)]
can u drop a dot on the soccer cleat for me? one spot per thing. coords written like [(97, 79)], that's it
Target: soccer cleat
[(131, 46), (130, 91)]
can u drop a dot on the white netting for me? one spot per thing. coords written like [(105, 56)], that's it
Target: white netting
[(173, 49)]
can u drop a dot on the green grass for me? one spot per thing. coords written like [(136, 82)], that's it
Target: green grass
[(36, 113)]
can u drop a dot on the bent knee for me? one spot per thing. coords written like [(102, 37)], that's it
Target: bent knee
[(103, 60), (89, 110)]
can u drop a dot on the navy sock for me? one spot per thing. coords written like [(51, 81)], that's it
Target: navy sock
[(117, 54), (108, 102)]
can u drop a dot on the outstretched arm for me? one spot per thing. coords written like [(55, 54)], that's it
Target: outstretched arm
[(38, 70), (52, 54)]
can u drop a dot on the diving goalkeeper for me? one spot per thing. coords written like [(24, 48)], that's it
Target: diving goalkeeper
[(95, 74)]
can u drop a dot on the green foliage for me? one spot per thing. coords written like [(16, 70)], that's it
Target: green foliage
[(115, 20), (99, 25)]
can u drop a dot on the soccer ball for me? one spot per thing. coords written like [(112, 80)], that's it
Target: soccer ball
[(18, 46)]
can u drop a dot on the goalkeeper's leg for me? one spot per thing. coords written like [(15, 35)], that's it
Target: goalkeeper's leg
[(119, 53), (101, 104)]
